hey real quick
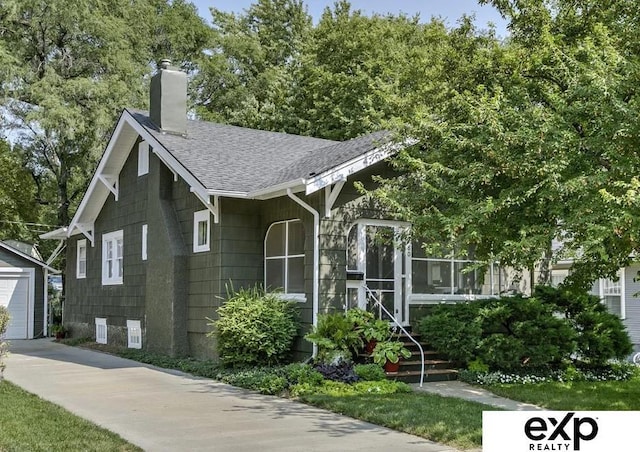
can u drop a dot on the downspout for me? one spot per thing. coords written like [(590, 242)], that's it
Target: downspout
[(316, 259)]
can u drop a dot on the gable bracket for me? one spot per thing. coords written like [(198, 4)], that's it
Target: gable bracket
[(111, 182), (330, 197), (87, 231), (213, 207)]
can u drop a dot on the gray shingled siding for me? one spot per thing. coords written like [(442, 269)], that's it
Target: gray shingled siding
[(8, 259), (632, 304), (86, 298)]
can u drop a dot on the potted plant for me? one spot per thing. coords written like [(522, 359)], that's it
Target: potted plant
[(388, 354), (59, 331), (374, 332)]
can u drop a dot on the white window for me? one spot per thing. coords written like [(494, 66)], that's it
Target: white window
[(112, 258), (144, 242), (101, 330), (284, 257), (134, 334), (143, 158), (437, 276), (201, 231), (558, 277), (612, 294), (81, 259)]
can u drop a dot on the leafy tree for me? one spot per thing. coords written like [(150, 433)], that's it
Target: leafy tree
[(534, 141), (248, 79), (17, 196), (76, 64)]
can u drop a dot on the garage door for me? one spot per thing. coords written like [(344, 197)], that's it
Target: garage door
[(14, 295)]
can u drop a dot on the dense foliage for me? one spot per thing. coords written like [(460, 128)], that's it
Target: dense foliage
[(336, 336), (550, 329), (255, 328)]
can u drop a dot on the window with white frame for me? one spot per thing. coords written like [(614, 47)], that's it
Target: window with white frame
[(612, 294), (438, 276), (144, 242), (112, 258), (134, 334), (143, 158), (284, 257), (81, 259), (558, 277), (101, 330), (201, 231)]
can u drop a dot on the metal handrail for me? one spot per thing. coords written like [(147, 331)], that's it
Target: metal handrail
[(406, 333)]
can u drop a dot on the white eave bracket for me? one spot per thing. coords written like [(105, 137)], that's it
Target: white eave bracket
[(111, 182), (213, 207), (162, 159), (86, 230), (330, 197)]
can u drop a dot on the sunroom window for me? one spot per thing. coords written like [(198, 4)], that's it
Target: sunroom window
[(437, 275), (284, 257)]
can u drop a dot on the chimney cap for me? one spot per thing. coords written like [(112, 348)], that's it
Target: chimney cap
[(165, 63)]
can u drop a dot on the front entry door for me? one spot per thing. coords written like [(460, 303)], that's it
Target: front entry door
[(375, 252)]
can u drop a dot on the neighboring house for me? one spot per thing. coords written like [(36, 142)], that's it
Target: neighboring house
[(621, 296), (23, 290), (178, 211)]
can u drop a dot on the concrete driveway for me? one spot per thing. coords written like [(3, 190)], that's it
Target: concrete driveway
[(169, 411)]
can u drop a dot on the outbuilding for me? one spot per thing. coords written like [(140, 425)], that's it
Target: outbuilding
[(23, 290)]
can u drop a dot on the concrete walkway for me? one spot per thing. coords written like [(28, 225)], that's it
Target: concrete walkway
[(169, 411), (475, 394)]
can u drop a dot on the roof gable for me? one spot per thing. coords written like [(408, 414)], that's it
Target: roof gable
[(224, 160), (25, 256)]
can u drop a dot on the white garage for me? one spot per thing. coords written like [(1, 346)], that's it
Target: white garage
[(23, 292)]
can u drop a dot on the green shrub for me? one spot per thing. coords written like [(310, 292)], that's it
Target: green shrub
[(369, 372), (298, 373), (264, 380), (336, 336), (600, 335), (4, 324), (255, 328), (338, 389), (454, 329)]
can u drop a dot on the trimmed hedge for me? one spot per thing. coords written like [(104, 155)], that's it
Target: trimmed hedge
[(550, 329)]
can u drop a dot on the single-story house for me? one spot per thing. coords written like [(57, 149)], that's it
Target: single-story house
[(178, 210), (23, 291)]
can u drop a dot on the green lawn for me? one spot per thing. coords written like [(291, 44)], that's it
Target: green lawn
[(28, 423), (604, 395), (447, 420)]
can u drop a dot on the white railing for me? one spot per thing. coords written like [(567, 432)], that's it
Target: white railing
[(404, 331)]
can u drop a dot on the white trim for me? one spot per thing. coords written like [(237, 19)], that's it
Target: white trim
[(144, 242), (45, 295), (82, 243), (134, 334), (111, 240), (330, 197), (274, 191), (87, 231), (112, 182), (201, 216), (143, 158), (213, 207), (101, 330), (27, 257)]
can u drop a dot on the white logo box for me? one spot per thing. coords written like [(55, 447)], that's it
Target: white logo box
[(560, 431)]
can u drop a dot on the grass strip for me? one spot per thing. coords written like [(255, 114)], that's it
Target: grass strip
[(577, 395), (29, 423), (442, 419)]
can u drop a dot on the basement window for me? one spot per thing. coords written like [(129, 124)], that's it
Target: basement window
[(134, 334), (101, 330), (201, 231)]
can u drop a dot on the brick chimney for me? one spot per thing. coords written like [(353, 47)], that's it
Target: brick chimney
[(168, 101)]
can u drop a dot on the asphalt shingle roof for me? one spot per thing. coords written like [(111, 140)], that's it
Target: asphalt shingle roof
[(231, 158)]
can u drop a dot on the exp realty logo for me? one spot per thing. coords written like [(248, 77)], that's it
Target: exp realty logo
[(560, 431), (553, 434)]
